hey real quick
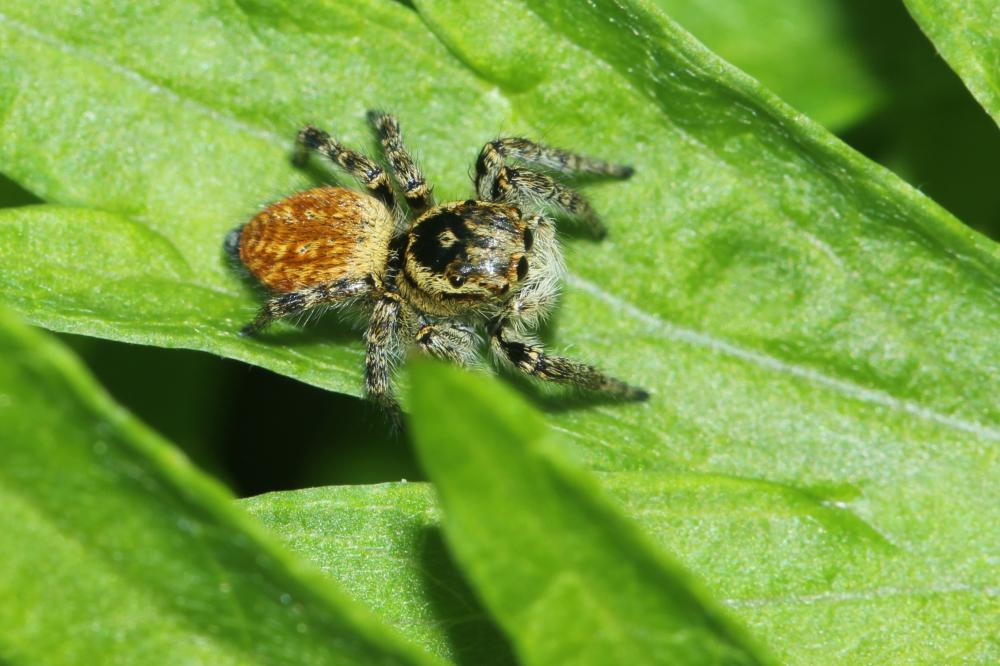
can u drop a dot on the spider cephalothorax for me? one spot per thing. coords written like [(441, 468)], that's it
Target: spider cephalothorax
[(439, 278)]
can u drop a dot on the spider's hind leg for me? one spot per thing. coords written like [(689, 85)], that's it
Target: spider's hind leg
[(295, 302)]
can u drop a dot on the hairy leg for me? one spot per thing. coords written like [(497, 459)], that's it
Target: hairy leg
[(294, 302), (451, 342), (491, 158), (381, 355), (523, 186), (411, 180), (495, 181), (531, 359), (371, 175)]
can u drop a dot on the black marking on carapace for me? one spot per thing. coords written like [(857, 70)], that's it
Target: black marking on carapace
[(503, 222), (425, 243), (409, 279)]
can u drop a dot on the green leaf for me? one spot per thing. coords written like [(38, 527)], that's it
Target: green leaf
[(801, 571), (803, 318), (803, 50), (115, 545), (383, 544), (967, 34), (570, 579), (816, 582)]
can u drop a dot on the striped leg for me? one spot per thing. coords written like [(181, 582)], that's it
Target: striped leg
[(415, 189), (381, 355), (294, 302), (531, 359), (371, 175)]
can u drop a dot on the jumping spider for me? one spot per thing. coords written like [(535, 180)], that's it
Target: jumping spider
[(438, 276)]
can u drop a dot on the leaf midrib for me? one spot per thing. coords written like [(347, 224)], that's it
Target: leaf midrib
[(852, 390)]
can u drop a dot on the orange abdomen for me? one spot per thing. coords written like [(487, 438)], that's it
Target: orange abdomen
[(316, 237)]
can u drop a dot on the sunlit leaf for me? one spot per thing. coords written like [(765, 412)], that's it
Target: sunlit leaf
[(967, 33), (803, 319), (115, 550), (806, 51), (569, 578)]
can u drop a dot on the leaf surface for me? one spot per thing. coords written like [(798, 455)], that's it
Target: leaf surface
[(967, 34), (803, 318), (569, 578), (827, 78), (115, 545), (804, 574)]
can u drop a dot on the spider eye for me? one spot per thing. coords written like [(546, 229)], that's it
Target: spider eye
[(522, 268), (456, 280), (529, 240)]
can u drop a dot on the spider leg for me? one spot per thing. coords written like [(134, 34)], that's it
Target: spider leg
[(522, 186), (495, 181), (492, 158), (531, 359), (411, 180), (371, 175), (381, 355), (451, 342), (293, 302)]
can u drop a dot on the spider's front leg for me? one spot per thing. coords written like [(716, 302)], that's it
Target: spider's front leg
[(406, 172), (295, 302), (448, 341), (382, 354), (495, 181), (530, 358)]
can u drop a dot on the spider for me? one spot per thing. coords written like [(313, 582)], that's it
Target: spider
[(442, 277)]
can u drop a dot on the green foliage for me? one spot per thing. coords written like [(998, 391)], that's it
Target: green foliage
[(818, 336), (569, 579), (803, 567), (114, 545), (967, 34), (828, 78)]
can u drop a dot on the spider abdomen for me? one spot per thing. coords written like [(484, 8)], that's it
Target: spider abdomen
[(316, 237)]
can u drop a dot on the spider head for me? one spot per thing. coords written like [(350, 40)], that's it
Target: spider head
[(467, 252)]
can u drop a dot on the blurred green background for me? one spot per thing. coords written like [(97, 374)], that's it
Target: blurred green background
[(887, 94)]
